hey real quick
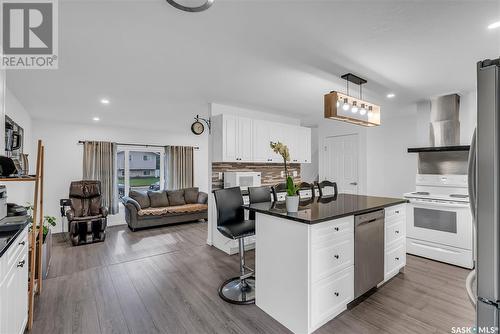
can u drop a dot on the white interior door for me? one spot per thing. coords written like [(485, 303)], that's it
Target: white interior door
[(341, 162)]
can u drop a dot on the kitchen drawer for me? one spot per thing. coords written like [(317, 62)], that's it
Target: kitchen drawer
[(331, 257), (17, 247), (394, 231), (330, 296), (395, 259), (332, 230), (394, 212)]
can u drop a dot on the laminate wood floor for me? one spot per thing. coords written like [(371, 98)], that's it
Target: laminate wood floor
[(165, 280)]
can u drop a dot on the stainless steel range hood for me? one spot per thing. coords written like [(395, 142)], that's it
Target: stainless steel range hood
[(445, 123), (444, 127)]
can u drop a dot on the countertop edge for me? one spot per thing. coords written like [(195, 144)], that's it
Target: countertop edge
[(309, 222), (14, 237)]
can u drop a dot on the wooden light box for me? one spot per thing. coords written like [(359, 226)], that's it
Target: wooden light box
[(371, 118)]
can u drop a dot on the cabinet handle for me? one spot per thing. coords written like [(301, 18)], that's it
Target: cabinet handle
[(336, 228), (397, 258), (336, 294), (22, 243), (21, 263), (336, 256), (397, 211)]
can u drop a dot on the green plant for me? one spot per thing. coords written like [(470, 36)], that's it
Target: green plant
[(282, 149), (48, 221)]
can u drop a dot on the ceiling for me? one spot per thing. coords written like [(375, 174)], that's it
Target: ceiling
[(156, 63)]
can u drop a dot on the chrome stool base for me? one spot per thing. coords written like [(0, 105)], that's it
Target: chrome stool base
[(238, 291)]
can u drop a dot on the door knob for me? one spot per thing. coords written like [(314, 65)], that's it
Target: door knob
[(21, 263)]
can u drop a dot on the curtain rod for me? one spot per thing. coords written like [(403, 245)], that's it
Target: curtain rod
[(143, 145)]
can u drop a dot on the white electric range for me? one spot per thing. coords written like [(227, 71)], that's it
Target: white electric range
[(439, 220)]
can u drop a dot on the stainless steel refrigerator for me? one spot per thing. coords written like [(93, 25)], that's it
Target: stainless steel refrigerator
[(484, 191)]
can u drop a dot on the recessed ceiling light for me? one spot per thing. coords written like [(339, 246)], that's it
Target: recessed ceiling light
[(104, 101), (494, 25), (96, 119), (391, 95)]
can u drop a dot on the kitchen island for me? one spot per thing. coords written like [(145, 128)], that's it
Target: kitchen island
[(304, 261)]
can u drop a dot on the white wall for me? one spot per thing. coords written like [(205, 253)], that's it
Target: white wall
[(390, 168), (384, 166), (63, 154), (21, 192)]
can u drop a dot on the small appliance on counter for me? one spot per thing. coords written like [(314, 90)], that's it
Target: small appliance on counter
[(7, 167), (242, 179), (16, 210)]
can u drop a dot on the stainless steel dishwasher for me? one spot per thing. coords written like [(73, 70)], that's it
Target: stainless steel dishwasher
[(368, 251)]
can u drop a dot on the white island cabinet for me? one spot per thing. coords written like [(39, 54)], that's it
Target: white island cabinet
[(14, 286), (304, 262)]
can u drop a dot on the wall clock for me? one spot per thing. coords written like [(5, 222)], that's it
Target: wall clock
[(197, 127)]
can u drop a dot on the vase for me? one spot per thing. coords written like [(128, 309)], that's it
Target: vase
[(292, 203)]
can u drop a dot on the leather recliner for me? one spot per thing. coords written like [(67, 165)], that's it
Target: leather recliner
[(87, 218)]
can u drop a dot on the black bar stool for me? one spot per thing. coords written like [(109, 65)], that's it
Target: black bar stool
[(306, 186), (324, 184), (278, 189), (232, 224), (258, 195)]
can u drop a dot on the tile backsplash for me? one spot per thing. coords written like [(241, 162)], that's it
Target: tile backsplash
[(270, 173)]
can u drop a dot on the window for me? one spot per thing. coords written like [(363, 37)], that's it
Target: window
[(142, 170)]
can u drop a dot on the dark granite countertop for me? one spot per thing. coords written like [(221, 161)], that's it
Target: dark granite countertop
[(10, 228), (326, 208)]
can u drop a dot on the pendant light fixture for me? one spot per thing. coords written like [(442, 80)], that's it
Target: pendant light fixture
[(346, 108), (199, 6)]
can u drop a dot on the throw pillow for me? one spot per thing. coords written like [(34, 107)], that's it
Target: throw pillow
[(158, 199), (191, 195), (176, 197), (140, 197)]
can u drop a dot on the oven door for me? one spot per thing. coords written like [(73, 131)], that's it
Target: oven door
[(440, 222)]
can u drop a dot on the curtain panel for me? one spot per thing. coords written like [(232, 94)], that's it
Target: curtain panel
[(178, 167), (99, 163)]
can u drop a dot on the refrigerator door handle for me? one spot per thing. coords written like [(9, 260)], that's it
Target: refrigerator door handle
[(469, 285), (471, 176)]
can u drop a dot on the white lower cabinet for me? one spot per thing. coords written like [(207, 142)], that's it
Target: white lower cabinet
[(330, 296), (14, 286), (395, 240)]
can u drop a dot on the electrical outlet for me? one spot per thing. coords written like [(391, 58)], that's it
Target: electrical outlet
[(295, 173), (282, 173)]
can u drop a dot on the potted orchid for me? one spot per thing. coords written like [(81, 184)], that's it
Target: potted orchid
[(292, 199)]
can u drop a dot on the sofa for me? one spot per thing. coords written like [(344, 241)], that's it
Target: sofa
[(164, 207)]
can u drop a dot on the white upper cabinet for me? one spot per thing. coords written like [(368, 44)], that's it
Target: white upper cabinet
[(245, 139), (241, 139)]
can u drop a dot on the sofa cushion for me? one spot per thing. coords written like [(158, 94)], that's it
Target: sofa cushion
[(191, 195), (176, 197), (159, 199), (140, 197), (178, 209)]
